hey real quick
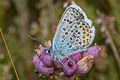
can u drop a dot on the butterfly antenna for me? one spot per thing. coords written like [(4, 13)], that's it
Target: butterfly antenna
[(5, 43), (32, 38)]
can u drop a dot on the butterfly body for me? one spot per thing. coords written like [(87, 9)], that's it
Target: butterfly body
[(74, 34)]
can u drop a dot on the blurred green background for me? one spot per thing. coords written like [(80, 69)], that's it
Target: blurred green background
[(20, 19)]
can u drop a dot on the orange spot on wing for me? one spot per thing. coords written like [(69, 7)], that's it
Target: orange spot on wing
[(85, 36), (85, 32), (85, 42), (83, 26)]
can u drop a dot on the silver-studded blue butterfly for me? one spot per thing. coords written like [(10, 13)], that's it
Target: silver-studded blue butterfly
[(74, 34)]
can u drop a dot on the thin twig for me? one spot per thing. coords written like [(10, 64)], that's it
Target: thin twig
[(116, 54), (114, 49), (105, 6), (9, 53)]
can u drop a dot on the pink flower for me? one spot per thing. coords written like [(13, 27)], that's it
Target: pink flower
[(70, 67), (82, 62), (85, 64), (41, 67), (93, 51), (76, 57)]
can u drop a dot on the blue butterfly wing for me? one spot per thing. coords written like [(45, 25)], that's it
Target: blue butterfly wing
[(74, 32)]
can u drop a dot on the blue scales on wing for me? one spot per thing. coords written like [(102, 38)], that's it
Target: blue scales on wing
[(75, 32)]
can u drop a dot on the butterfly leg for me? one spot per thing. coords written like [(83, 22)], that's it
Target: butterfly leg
[(68, 57), (55, 58), (60, 60)]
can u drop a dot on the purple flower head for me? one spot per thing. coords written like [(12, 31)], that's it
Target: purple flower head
[(82, 62), (47, 60), (41, 67), (85, 64), (70, 67), (43, 62), (93, 51), (76, 57)]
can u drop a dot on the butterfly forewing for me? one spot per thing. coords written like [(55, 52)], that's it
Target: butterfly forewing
[(75, 31)]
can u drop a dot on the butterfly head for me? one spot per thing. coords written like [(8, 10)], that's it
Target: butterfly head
[(48, 50)]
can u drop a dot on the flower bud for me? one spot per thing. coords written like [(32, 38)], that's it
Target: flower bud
[(47, 60), (70, 67), (85, 64), (93, 51), (76, 57), (41, 67)]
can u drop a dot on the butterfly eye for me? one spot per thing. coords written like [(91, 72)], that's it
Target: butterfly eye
[(48, 50)]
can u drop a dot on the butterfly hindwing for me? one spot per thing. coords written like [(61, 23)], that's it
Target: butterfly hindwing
[(80, 38), (75, 31)]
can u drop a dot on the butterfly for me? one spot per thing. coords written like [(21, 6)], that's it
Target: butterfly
[(75, 33)]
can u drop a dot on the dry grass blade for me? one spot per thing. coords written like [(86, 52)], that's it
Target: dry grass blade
[(115, 51), (9, 53)]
